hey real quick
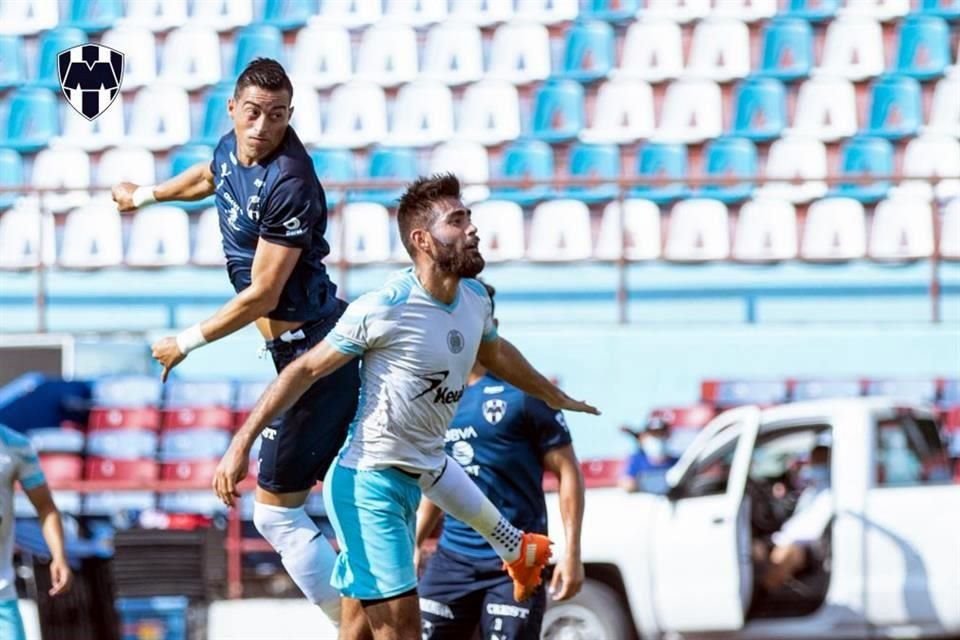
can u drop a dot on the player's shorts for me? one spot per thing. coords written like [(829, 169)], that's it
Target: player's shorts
[(374, 513), (298, 447), (11, 624), (458, 592)]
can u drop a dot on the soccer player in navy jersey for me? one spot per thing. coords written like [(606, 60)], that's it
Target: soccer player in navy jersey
[(503, 438), (273, 215)]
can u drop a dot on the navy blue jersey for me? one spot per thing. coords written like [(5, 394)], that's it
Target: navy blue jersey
[(280, 200), (500, 435)]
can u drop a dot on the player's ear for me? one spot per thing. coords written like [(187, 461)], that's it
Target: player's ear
[(231, 105), (290, 113), (420, 238)]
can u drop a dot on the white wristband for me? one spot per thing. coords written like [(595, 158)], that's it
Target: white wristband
[(190, 339), (143, 195)]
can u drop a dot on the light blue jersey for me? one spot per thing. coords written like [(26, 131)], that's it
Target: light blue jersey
[(18, 463)]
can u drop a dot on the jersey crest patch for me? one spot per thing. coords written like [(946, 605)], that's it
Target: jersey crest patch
[(494, 409)]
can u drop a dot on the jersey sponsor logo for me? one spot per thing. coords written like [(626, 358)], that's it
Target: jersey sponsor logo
[(436, 608), (90, 77), (293, 227), (270, 433), (441, 393), (495, 389), (507, 610), (455, 341), (234, 213), (456, 434), (225, 170), (462, 452), (561, 420), (493, 410)]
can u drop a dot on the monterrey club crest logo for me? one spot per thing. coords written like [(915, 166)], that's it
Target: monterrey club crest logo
[(90, 77), (494, 409)]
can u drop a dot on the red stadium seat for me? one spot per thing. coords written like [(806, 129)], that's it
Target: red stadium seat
[(61, 467), (200, 471), (111, 418), (696, 415), (601, 473), (127, 470), (198, 418)]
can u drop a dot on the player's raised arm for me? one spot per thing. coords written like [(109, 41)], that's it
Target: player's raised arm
[(195, 183)]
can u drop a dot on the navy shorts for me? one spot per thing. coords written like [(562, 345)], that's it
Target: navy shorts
[(298, 447), (458, 593)]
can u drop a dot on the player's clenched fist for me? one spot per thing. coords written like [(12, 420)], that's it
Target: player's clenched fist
[(168, 354), (123, 196)]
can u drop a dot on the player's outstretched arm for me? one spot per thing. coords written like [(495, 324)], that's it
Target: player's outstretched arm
[(195, 183), (506, 362), (52, 530), (568, 575)]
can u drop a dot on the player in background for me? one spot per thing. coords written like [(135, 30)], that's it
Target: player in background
[(503, 438), (418, 336), (273, 215)]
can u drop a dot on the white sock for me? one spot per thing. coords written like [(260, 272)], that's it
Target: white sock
[(304, 552), (454, 492)]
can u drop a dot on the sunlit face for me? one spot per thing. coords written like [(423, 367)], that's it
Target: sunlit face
[(260, 120), (452, 241)]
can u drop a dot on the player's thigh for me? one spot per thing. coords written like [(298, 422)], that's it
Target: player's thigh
[(396, 618), (450, 602), (11, 624), (504, 618)]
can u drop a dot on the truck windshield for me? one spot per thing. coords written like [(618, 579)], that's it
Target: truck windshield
[(910, 452)]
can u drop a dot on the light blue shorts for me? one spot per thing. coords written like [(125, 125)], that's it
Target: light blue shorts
[(11, 624), (374, 514)]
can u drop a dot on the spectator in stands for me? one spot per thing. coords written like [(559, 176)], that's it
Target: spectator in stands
[(273, 215), (19, 463), (646, 468), (503, 438)]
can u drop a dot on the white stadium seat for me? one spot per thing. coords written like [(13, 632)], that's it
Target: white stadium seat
[(422, 115), (322, 56), (746, 10), (208, 248), (699, 231), (416, 13), (875, 9), (481, 12), (20, 236), (792, 158), (520, 53), (25, 17), (835, 229), (853, 49), (159, 237), (222, 15), (348, 13), (826, 109), (469, 162), (678, 10), (453, 54), (931, 156), (92, 236), (720, 50), (357, 116), (490, 113), (160, 118), (307, 117), (945, 110), (501, 229), (366, 232), (126, 164), (191, 57), (547, 11), (692, 112), (902, 230), (950, 231), (766, 231), (139, 49), (387, 55), (62, 168), (106, 130), (560, 230), (622, 113), (652, 51), (156, 15), (632, 230)]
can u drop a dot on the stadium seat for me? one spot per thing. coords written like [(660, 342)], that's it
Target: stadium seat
[(322, 56), (208, 248), (766, 231), (733, 393), (422, 115), (835, 229), (419, 13), (351, 14), (192, 394), (201, 502), (13, 70), (248, 393), (387, 55), (679, 11), (629, 229), (333, 165), (27, 17), (519, 53), (112, 413), (546, 11), (110, 503), (588, 52), (197, 470), (924, 49), (191, 58), (760, 108), (60, 467), (595, 162), (11, 175), (92, 236), (222, 15), (98, 468), (500, 227), (122, 444), (389, 164), (366, 232), (611, 10), (720, 50), (791, 159), (946, 9), (181, 159), (31, 119), (481, 13), (787, 49), (931, 156), (193, 444), (875, 9), (853, 49), (746, 10), (861, 157), (902, 229), (623, 113), (453, 54), (307, 119), (924, 391), (256, 41), (656, 160), (469, 162), (950, 231), (558, 111), (139, 54), (489, 113), (287, 15), (813, 10), (20, 236), (131, 391), (945, 109), (357, 116), (64, 169), (895, 107), (950, 395), (826, 109), (525, 160), (159, 237), (156, 15), (698, 231), (692, 112), (160, 118), (107, 130), (215, 416), (216, 119), (94, 16), (652, 51), (560, 230), (817, 389), (49, 45)]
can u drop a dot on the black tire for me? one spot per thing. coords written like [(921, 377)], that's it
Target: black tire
[(596, 613)]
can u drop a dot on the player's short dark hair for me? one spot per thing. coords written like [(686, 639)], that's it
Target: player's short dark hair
[(265, 73), (491, 291), (416, 209)]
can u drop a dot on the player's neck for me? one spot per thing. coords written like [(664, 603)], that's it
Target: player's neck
[(441, 286), (476, 374)]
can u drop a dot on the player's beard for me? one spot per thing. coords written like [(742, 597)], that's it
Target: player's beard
[(457, 259)]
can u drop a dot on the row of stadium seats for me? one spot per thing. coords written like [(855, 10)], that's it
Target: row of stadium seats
[(698, 229)]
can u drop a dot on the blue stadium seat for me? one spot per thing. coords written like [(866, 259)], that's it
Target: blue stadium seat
[(193, 444), (816, 389), (813, 10), (946, 9), (122, 444), (288, 14), (729, 158), (760, 111), (732, 393), (193, 393), (611, 10), (558, 111), (32, 120), (184, 157), (257, 41), (895, 107), (661, 160), (865, 156), (950, 392), (51, 43), (11, 175), (248, 393), (525, 160), (13, 65), (127, 391), (924, 390), (787, 49), (216, 120), (593, 161), (389, 164), (333, 165), (57, 440), (589, 51), (924, 50), (94, 15)]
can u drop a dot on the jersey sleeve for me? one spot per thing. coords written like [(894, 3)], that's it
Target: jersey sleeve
[(29, 472), (293, 208), (548, 428), (363, 326)]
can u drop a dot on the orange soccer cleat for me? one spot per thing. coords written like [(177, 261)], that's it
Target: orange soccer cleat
[(527, 569)]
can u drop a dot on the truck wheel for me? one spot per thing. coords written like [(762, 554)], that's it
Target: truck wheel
[(596, 613)]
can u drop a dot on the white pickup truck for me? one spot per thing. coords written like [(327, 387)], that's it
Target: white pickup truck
[(680, 565)]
